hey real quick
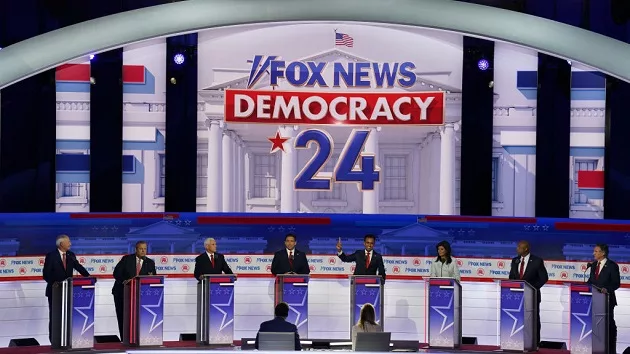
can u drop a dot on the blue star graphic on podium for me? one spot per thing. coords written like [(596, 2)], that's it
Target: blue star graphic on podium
[(227, 316), (515, 327), (88, 318), (157, 316), (586, 325), (445, 321)]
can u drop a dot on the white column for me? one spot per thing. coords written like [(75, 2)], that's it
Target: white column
[(447, 169), (235, 175), (288, 197), (246, 177), (240, 187), (244, 170), (370, 198), (214, 196), (226, 169)]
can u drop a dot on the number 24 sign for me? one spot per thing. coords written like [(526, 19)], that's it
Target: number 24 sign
[(366, 175)]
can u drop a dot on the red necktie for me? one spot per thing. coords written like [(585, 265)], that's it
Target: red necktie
[(212, 259), (291, 259), (63, 260), (597, 271), (367, 260), (522, 267), (138, 267)]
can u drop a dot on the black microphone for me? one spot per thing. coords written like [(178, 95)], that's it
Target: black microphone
[(588, 265)]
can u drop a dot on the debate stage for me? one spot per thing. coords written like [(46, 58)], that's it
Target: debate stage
[(190, 347)]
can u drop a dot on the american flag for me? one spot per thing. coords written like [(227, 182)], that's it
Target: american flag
[(343, 39)]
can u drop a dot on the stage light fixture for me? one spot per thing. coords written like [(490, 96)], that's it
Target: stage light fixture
[(179, 59), (483, 64)]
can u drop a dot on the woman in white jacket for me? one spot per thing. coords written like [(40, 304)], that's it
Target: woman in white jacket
[(444, 266)]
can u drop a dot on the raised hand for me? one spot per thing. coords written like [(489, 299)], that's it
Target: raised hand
[(339, 245)]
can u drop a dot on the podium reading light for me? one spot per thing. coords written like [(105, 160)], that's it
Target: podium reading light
[(179, 59), (483, 64)]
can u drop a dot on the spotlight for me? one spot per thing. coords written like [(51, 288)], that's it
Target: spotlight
[(483, 64), (179, 59)]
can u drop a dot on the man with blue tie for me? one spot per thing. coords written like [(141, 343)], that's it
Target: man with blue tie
[(280, 324), (367, 261), (289, 260), (59, 266)]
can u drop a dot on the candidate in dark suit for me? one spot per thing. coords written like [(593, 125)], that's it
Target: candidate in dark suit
[(605, 275), (531, 269), (59, 266), (289, 260), (368, 262), (128, 267), (211, 262), (280, 324)]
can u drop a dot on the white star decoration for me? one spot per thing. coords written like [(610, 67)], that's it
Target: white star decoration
[(298, 314), (225, 314), (86, 318), (509, 313), (584, 333), (437, 309), (155, 315)]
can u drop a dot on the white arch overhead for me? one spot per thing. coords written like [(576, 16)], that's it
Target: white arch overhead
[(46, 51)]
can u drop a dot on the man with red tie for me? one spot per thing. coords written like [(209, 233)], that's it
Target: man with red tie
[(129, 267), (605, 275), (289, 260), (211, 262), (59, 266), (531, 269), (368, 262)]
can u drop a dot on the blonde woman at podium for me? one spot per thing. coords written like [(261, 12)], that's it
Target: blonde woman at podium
[(444, 266), (367, 323)]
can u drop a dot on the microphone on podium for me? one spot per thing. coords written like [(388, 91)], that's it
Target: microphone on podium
[(588, 265)]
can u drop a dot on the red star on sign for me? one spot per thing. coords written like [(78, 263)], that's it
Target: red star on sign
[(277, 142)]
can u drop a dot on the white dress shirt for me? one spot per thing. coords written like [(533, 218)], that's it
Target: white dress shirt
[(289, 253), (210, 255)]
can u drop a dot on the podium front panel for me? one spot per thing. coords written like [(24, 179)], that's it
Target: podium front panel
[(443, 313), (512, 317), (581, 319), (293, 289), (366, 290), (221, 310), (83, 313), (151, 312)]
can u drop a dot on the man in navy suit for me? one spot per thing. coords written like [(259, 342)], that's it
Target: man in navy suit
[(280, 324), (211, 262), (59, 266), (289, 260), (532, 269), (368, 262), (129, 267), (605, 275)]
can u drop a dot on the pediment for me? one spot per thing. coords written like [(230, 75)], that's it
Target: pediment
[(414, 230), (332, 55), (162, 228)]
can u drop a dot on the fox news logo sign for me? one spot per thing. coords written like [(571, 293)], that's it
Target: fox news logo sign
[(311, 74)]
